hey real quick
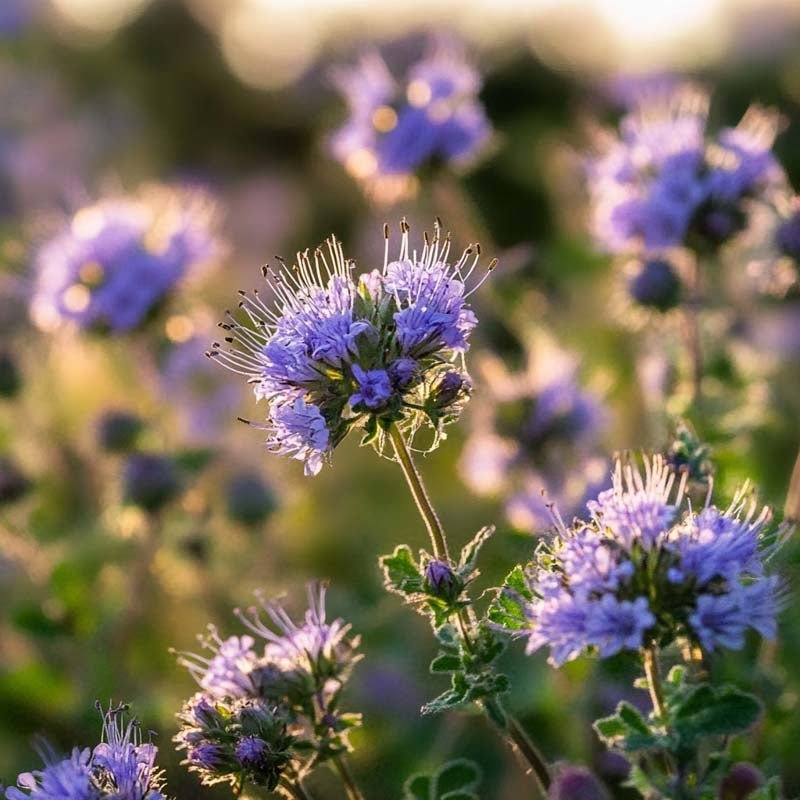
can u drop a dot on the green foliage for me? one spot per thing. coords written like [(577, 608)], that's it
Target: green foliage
[(508, 607), (689, 741), (455, 780)]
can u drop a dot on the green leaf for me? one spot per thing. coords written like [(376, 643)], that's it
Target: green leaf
[(446, 662), (632, 718), (708, 711), (627, 730), (458, 775), (417, 787), (469, 553), (449, 639), (507, 610), (459, 794), (401, 572)]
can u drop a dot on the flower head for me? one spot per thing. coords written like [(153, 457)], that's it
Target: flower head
[(259, 695), (663, 181), (643, 567), (333, 354), (120, 767), (117, 260), (395, 128)]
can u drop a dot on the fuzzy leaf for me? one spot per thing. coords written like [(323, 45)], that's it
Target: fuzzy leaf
[(627, 730), (469, 553), (507, 610), (458, 775), (446, 662), (401, 572), (417, 787), (708, 711)]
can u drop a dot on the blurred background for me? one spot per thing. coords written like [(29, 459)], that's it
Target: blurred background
[(107, 561)]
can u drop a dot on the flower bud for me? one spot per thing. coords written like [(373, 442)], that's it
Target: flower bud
[(656, 285), (150, 481), (576, 783), (9, 375), (441, 581), (117, 431), (249, 499), (740, 782), (403, 372), (452, 387)]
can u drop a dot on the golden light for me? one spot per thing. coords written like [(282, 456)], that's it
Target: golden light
[(76, 298), (384, 119), (98, 16), (91, 272), (418, 93), (179, 328), (361, 164), (88, 222)]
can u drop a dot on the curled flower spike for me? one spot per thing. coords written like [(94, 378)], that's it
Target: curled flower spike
[(664, 182), (118, 259), (646, 569), (394, 128), (269, 709), (332, 354), (120, 767)]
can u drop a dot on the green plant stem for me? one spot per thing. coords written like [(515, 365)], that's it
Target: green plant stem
[(343, 769), (791, 509), (653, 673), (415, 484), (520, 743), (510, 728), (295, 789)]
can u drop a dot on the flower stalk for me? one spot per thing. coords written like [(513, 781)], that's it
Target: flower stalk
[(509, 727), (343, 770)]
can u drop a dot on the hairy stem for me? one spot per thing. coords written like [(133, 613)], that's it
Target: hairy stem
[(791, 509), (510, 728), (343, 769), (415, 484), (519, 741), (295, 789), (653, 673)]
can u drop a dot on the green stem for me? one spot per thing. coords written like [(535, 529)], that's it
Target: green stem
[(342, 767), (520, 743), (415, 484), (791, 509), (510, 728), (653, 673), (295, 789)]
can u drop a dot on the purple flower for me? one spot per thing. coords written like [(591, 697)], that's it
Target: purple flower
[(331, 345), (441, 580), (374, 387), (642, 567), (615, 625), (395, 128), (119, 259), (68, 779), (662, 177), (227, 672)]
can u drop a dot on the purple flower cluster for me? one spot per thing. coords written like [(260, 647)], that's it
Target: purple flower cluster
[(393, 129), (663, 182), (121, 767), (642, 569), (534, 439), (333, 353), (117, 260), (257, 700)]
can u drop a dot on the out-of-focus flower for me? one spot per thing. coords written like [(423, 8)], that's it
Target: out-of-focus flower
[(741, 780), (150, 481), (259, 700), (205, 397), (118, 260), (575, 783), (644, 569), (396, 128), (121, 767), (664, 182), (250, 501), (771, 245), (333, 354), (10, 379), (13, 483), (655, 284), (534, 437), (118, 431)]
